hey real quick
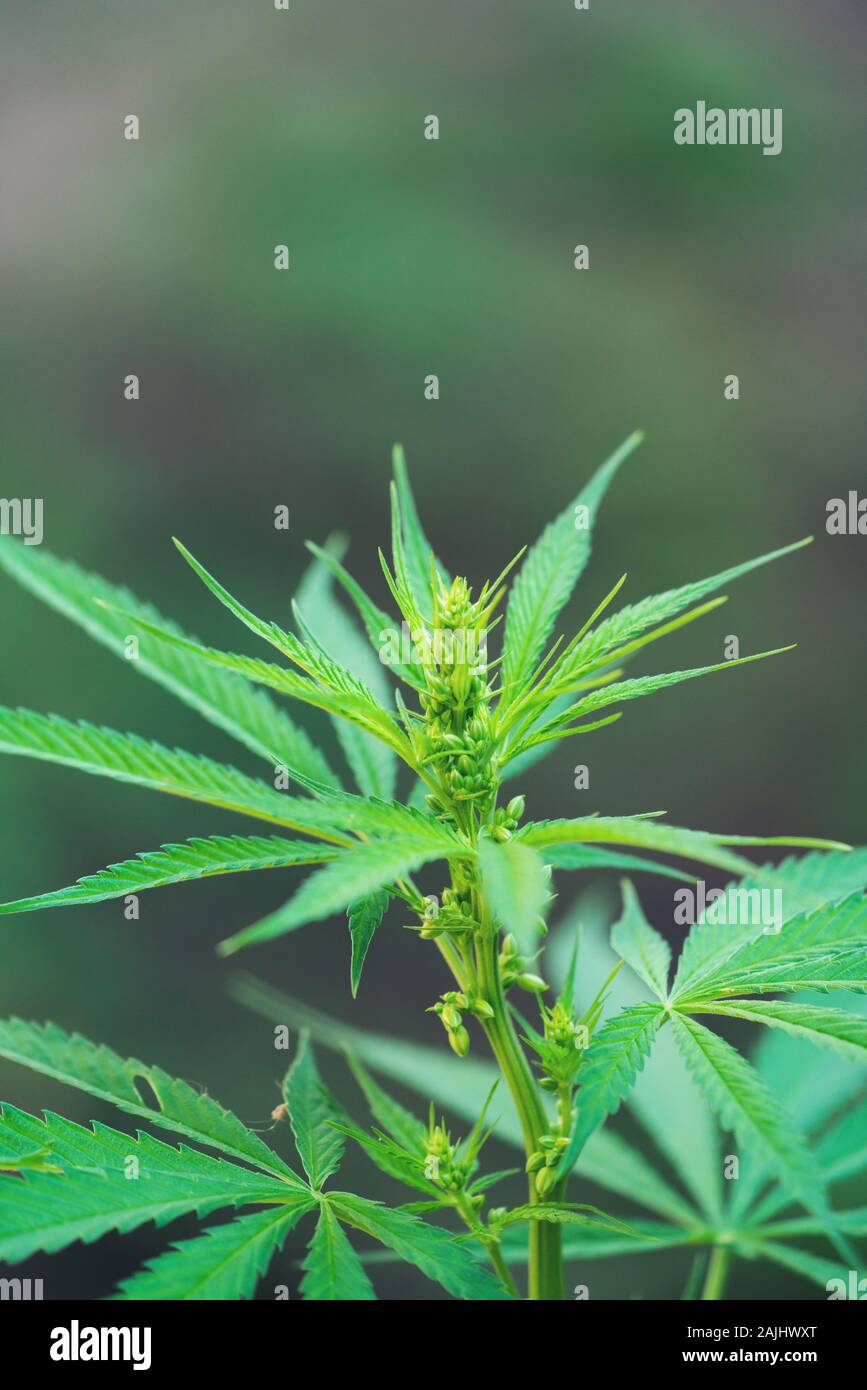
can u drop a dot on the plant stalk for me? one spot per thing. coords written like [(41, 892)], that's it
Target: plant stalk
[(545, 1263), (717, 1273)]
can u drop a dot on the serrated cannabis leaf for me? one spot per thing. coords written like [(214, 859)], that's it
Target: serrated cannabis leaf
[(564, 722), (350, 875), (642, 833), (834, 1028), (620, 635), (232, 704), (223, 1263), (220, 854), (822, 968), (312, 1115), (433, 1250), (322, 620), (805, 884), (633, 938), (421, 563), (73, 1060), (745, 1106), (125, 1183), (394, 1118), (609, 1067), (346, 702), (837, 928), (332, 1270), (549, 573), (390, 1158), (377, 623), (565, 856), (310, 657), (364, 917), (128, 758), (562, 1214)]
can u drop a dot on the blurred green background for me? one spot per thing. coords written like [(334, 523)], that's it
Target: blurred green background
[(411, 257)]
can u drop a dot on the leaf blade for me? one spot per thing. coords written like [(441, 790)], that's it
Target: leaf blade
[(222, 1263), (332, 1270), (228, 701), (548, 575), (49, 1211), (178, 863), (431, 1248), (835, 1028), (312, 1115), (736, 1092), (128, 758), (75, 1061), (364, 917), (609, 1067), (633, 938), (350, 875)]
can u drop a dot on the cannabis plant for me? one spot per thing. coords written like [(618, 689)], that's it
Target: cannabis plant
[(418, 686)]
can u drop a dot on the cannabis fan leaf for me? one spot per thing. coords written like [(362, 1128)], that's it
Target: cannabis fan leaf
[(66, 1182)]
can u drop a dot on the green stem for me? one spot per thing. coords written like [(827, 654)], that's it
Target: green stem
[(502, 1268), (467, 1214), (546, 1266), (717, 1271)]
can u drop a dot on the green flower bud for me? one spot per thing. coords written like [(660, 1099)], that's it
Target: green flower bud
[(482, 1009), (510, 945), (533, 984), (438, 1143), (534, 1162), (460, 1041), (501, 834), (515, 808), (546, 1178), (450, 1017)]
